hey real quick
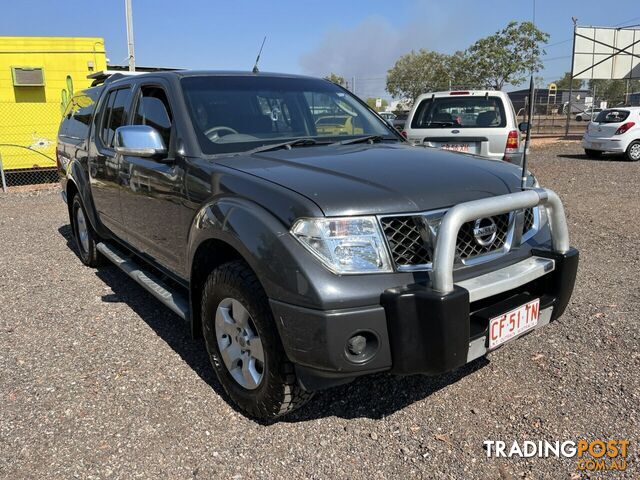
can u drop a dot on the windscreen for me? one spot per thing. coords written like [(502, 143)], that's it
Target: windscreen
[(612, 116), (460, 112), (238, 113)]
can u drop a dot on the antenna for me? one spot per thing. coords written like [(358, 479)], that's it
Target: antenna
[(532, 92), (255, 66)]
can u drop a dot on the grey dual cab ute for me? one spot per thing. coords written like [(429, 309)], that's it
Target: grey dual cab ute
[(306, 257)]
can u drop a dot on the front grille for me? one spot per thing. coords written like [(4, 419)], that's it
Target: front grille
[(528, 219), (406, 239)]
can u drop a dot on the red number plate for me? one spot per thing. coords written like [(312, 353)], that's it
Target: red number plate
[(513, 323)]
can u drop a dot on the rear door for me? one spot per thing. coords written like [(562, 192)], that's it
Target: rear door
[(476, 124), (607, 123), (74, 130), (104, 162)]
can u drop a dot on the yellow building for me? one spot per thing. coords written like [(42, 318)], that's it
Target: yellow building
[(38, 75)]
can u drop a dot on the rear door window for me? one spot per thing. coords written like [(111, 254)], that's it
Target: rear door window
[(460, 112), (612, 116), (78, 115), (115, 114)]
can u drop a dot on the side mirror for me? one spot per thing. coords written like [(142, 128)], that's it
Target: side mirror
[(139, 141), (523, 127)]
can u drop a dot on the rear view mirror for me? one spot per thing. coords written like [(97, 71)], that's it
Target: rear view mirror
[(139, 141), (523, 127)]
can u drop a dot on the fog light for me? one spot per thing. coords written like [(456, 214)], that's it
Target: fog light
[(357, 345)]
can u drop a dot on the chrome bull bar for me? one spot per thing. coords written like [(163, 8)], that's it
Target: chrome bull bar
[(452, 221)]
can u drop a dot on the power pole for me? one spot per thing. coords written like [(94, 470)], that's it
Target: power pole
[(129, 16), (570, 103)]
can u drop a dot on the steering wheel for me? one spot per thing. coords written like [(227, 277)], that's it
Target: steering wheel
[(213, 134)]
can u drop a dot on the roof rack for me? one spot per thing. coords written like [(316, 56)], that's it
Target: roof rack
[(115, 72)]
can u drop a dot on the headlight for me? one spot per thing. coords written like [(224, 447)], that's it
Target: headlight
[(532, 181), (344, 245)]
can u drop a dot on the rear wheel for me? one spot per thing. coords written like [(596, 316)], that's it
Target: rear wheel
[(85, 237), (244, 346), (633, 151), (593, 153)]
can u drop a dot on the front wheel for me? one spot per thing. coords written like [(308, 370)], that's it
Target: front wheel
[(592, 153), (244, 346), (633, 151)]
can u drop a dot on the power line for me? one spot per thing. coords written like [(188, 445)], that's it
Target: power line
[(558, 43), (627, 21), (561, 42), (544, 60)]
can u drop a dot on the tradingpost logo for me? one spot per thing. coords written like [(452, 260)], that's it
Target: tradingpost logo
[(594, 455)]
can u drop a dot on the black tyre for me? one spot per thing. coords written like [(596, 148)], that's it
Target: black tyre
[(592, 153), (633, 151), (244, 346), (84, 235)]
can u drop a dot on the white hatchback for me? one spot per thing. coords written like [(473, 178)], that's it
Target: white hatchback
[(616, 130), (480, 122)]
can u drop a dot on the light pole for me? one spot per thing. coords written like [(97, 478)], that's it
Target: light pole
[(573, 56), (129, 16)]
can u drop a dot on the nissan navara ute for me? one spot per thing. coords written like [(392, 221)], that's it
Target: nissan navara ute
[(304, 256)]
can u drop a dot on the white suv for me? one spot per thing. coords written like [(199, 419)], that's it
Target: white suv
[(616, 130), (481, 122)]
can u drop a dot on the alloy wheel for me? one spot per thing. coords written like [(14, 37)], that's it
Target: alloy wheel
[(240, 346), (83, 230)]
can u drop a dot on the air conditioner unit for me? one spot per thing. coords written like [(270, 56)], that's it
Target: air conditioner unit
[(28, 76)]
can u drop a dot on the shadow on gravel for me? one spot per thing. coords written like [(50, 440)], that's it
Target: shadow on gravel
[(67, 234), (168, 326), (374, 396), (378, 396), (604, 158)]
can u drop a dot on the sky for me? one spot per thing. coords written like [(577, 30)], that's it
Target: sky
[(353, 38)]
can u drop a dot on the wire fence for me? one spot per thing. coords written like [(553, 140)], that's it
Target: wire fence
[(27, 144), (555, 115)]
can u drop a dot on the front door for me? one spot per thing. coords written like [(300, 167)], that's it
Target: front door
[(153, 201)]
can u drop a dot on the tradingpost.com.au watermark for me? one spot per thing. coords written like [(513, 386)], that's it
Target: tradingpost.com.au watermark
[(594, 455)]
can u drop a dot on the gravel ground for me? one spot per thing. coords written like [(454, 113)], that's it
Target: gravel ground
[(98, 380)]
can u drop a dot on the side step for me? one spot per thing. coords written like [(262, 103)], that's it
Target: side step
[(173, 299)]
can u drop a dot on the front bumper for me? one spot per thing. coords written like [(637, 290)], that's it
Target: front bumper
[(435, 326), (416, 328)]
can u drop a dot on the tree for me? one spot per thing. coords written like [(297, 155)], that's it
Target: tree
[(613, 91), (564, 82), (491, 62), (337, 79), (418, 72), (372, 103), (506, 56)]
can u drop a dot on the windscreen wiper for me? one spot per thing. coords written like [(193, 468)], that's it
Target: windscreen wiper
[(299, 142), (368, 138)]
